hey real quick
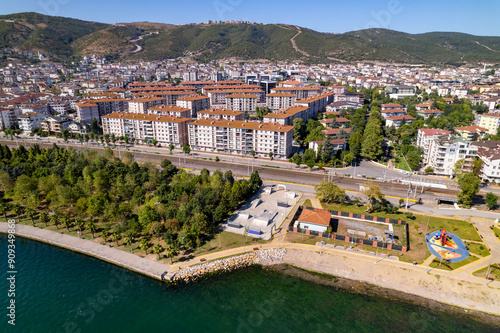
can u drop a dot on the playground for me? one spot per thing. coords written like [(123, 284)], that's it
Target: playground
[(446, 246)]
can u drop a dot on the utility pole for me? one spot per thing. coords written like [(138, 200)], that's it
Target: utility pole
[(384, 174), (408, 194)]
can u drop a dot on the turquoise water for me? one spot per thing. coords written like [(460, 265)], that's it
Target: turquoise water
[(62, 291)]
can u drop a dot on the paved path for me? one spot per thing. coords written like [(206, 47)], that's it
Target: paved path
[(457, 287), (130, 261)]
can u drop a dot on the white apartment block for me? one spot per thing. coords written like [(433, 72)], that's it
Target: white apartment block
[(194, 103), (241, 137), (490, 121), (280, 101), (30, 120), (424, 138), (241, 102), (221, 114), (386, 113), (489, 152), (446, 150), (170, 110), (35, 108), (8, 117), (398, 121), (219, 96), (316, 103), (144, 128), (86, 111), (141, 105)]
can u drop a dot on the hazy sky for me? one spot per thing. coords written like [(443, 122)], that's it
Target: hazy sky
[(479, 17)]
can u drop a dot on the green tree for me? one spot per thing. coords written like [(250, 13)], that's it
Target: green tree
[(491, 200), (372, 141), (80, 225), (469, 185), (429, 170), (355, 143), (104, 235), (186, 149), (329, 192), (31, 214), (115, 236), (67, 222), (158, 249), (171, 148), (144, 245), (255, 181), (310, 164), (44, 218), (299, 130), (55, 219), (91, 227), (129, 240)]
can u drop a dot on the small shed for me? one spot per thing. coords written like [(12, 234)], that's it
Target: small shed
[(316, 220)]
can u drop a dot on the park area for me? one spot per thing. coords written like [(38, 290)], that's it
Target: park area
[(417, 226)]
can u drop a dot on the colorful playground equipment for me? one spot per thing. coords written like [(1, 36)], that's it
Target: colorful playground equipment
[(447, 246)]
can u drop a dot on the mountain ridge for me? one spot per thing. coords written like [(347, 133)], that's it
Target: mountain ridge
[(62, 38)]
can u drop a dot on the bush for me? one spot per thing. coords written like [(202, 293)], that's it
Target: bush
[(410, 216), (217, 159)]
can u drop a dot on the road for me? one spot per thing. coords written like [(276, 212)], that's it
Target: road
[(245, 166)]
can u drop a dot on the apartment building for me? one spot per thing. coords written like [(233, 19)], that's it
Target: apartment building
[(109, 105), (170, 97), (194, 103), (398, 121), (471, 133), (300, 92), (241, 137), (286, 117), (35, 108), (8, 117), (86, 111), (219, 97), (280, 101), (170, 110), (390, 107), (386, 113), (424, 138), (221, 114), (427, 113), (55, 124), (241, 102), (316, 103), (30, 120), (334, 133), (338, 106), (490, 121), (141, 105), (145, 128), (446, 150), (350, 97), (489, 152)]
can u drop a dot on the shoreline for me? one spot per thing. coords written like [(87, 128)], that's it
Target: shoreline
[(461, 294), (372, 290)]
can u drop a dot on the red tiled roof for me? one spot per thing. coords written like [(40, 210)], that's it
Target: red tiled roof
[(317, 216)]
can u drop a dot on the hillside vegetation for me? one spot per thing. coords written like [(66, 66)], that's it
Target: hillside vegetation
[(61, 37)]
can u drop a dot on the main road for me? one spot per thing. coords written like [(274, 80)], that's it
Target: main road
[(278, 172)]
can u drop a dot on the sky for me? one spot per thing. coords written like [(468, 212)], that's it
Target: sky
[(478, 17)]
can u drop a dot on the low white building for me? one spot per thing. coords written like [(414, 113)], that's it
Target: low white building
[(314, 220), (446, 150), (489, 153), (30, 120)]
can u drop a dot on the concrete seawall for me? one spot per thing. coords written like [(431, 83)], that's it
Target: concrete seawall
[(117, 257)]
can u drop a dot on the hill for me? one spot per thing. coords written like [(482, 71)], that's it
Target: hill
[(61, 38)]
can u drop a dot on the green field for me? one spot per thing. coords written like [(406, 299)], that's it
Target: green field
[(479, 249), (449, 266), (494, 272)]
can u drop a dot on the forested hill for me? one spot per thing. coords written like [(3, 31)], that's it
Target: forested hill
[(62, 38)]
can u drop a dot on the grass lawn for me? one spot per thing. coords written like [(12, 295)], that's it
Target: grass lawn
[(494, 273), (223, 241), (416, 228), (402, 162), (497, 231), (307, 203), (449, 266), (479, 249)]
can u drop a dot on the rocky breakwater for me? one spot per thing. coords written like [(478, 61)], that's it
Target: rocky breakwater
[(196, 272)]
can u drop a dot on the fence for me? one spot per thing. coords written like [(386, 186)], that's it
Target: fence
[(356, 240)]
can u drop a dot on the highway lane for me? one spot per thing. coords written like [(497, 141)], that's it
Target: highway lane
[(302, 176)]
